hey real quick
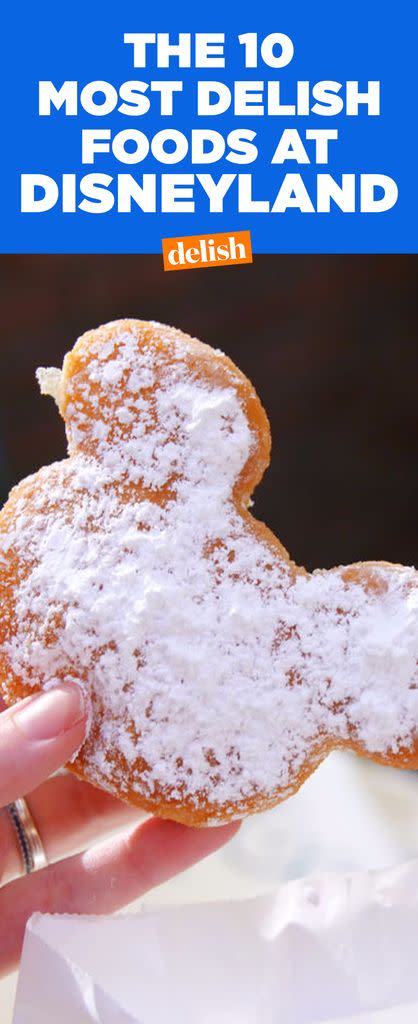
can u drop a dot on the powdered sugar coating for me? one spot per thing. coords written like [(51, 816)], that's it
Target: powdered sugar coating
[(218, 670)]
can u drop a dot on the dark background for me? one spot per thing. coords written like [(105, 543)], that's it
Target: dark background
[(330, 343)]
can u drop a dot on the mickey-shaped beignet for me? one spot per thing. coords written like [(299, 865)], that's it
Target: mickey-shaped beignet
[(220, 673)]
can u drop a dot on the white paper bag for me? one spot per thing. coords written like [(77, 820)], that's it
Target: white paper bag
[(316, 950)]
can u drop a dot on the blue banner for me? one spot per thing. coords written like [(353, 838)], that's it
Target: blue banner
[(125, 124)]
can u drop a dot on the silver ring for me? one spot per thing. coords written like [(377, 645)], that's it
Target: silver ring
[(30, 843)]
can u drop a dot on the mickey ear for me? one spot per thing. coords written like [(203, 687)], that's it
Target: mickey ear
[(115, 375)]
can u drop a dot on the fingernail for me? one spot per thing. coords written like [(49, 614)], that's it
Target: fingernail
[(51, 713)]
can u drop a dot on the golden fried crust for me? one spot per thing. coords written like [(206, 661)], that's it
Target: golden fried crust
[(82, 399)]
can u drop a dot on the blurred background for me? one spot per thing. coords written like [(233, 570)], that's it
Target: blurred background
[(330, 342)]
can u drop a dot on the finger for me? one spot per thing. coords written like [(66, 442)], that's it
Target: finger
[(105, 878), (69, 815), (37, 736)]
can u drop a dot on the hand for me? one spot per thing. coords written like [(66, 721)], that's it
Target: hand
[(37, 736)]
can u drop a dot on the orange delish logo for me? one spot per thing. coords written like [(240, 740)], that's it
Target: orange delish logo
[(194, 251)]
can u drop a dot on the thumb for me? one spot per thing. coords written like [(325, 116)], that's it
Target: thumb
[(37, 736)]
